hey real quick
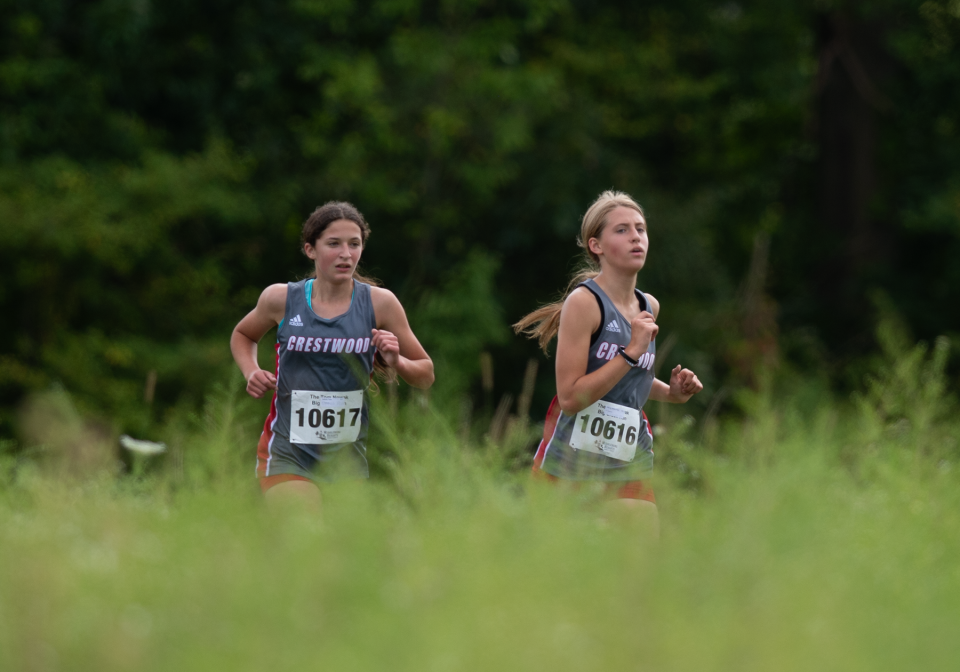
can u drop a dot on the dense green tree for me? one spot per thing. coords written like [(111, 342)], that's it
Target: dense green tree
[(156, 160)]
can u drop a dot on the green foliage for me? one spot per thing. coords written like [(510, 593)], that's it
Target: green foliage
[(156, 161), (112, 272), (802, 543), (458, 321)]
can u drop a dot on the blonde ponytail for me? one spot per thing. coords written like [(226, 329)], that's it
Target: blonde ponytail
[(544, 323)]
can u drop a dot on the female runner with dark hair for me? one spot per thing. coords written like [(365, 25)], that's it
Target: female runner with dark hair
[(606, 331), (335, 328)]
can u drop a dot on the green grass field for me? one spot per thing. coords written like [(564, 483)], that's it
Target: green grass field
[(807, 535)]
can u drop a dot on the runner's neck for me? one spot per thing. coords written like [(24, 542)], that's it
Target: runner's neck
[(621, 288), (330, 294)]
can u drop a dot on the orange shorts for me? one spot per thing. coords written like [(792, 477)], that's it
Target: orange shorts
[(613, 489), (267, 482)]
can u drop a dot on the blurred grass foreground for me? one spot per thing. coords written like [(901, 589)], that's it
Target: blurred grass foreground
[(809, 534)]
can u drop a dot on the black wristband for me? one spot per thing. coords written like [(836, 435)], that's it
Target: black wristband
[(630, 360)]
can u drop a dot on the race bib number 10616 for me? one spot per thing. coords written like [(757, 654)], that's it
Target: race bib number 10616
[(325, 417), (607, 429)]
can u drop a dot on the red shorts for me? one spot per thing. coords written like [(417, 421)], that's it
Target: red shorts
[(267, 482), (615, 489)]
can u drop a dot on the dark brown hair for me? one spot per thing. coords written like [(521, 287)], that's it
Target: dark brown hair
[(327, 214)]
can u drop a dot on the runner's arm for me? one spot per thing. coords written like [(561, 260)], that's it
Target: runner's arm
[(579, 318), (248, 332), (396, 342), (683, 385), (683, 382)]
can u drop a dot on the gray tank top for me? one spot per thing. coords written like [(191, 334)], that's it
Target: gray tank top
[(563, 460), (323, 372)]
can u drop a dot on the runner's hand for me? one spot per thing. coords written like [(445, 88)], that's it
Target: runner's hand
[(388, 346), (643, 330), (683, 384), (260, 381)]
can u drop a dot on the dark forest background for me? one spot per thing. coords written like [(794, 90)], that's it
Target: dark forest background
[(799, 164)]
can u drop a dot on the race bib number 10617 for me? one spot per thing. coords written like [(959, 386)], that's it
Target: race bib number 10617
[(607, 429), (325, 417)]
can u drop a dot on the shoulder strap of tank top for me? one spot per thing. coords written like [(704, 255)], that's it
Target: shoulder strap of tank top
[(292, 291), (644, 303), (362, 294), (596, 334)]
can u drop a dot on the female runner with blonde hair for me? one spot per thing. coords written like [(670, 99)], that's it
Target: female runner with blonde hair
[(606, 331)]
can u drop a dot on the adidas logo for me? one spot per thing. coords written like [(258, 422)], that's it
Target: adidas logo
[(296, 321), (613, 326)]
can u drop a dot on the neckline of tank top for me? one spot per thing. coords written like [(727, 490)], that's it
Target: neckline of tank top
[(308, 293), (637, 292)]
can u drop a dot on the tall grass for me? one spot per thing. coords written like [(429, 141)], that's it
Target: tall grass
[(808, 535)]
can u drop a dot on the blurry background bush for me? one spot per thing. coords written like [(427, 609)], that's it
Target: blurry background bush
[(158, 158)]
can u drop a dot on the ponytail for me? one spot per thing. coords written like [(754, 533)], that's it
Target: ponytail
[(544, 323)]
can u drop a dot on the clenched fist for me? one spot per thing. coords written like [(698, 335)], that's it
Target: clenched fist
[(643, 330), (683, 384), (387, 345), (260, 381)]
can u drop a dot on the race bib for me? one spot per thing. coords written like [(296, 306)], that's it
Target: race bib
[(607, 429), (325, 417)]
